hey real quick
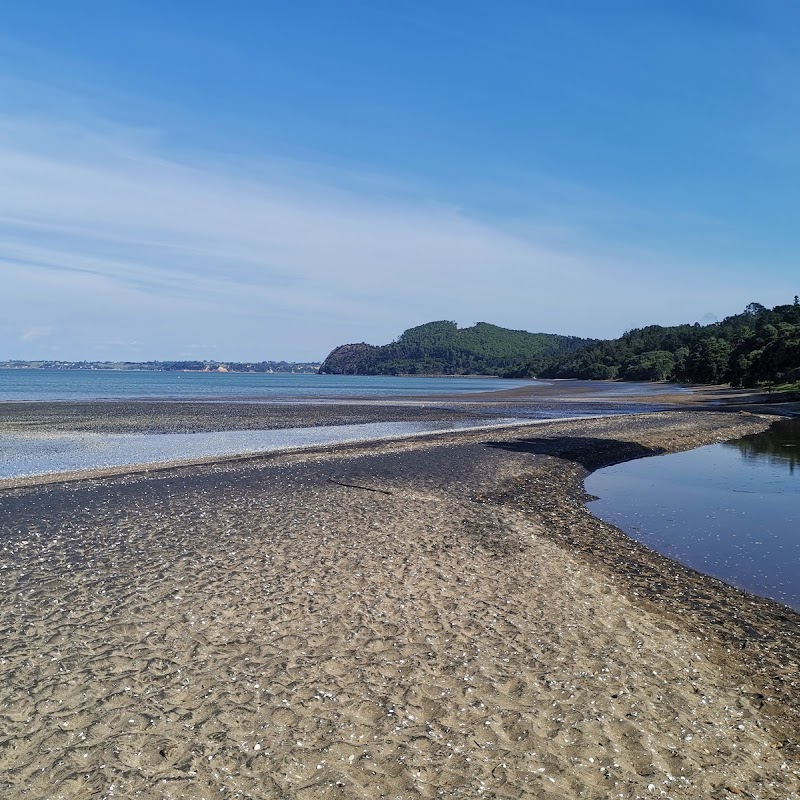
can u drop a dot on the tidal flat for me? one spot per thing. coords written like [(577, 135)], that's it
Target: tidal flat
[(420, 618)]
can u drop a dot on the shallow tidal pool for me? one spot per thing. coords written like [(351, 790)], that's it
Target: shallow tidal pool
[(40, 453), (729, 510)]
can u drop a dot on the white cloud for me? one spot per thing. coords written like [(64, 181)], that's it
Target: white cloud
[(111, 240), (36, 332)]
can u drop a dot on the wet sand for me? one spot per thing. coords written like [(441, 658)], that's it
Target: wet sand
[(416, 619), (181, 416)]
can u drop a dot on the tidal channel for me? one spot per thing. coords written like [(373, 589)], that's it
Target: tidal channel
[(729, 510)]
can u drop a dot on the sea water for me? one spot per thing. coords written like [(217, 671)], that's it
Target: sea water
[(41, 452), (47, 385), (42, 384)]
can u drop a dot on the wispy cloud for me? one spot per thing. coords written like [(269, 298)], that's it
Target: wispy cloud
[(108, 238), (35, 332)]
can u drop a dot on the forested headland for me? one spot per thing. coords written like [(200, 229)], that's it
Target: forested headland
[(442, 348), (758, 346)]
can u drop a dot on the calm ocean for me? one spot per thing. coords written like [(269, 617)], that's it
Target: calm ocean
[(40, 384)]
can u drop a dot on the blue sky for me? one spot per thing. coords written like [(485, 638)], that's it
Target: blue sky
[(258, 180)]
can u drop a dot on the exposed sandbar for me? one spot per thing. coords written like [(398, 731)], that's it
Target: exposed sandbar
[(187, 416), (415, 619)]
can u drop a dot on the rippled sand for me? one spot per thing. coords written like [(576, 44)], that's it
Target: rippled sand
[(257, 630)]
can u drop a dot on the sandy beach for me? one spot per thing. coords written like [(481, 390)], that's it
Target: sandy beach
[(438, 617)]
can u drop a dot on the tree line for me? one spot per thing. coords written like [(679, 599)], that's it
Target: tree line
[(758, 346)]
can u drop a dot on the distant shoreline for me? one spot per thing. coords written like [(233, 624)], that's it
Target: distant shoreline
[(221, 367)]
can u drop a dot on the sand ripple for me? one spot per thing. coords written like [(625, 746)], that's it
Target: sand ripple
[(325, 642)]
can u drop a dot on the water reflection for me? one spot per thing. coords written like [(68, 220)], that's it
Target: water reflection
[(777, 446), (730, 510)]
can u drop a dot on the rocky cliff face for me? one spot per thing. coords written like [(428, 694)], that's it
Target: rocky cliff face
[(350, 359)]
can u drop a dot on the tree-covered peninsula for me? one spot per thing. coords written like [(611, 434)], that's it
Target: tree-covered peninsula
[(758, 346), (442, 348)]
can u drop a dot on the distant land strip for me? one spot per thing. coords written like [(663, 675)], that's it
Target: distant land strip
[(170, 366)]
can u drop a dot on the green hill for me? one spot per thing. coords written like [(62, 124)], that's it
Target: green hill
[(442, 348), (758, 346)]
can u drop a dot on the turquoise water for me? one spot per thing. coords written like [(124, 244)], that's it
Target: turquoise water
[(730, 510), (27, 385)]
